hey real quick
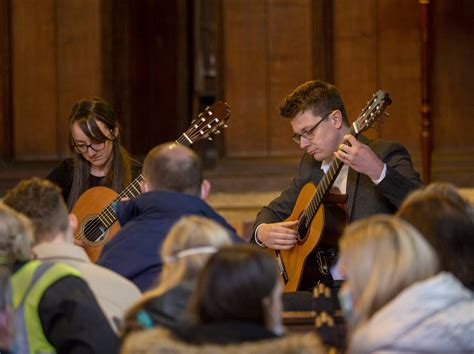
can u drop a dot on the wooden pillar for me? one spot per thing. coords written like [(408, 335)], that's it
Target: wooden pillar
[(426, 135)]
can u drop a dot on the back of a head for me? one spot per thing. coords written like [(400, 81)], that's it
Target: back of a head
[(381, 256), (16, 236), (173, 167), (188, 246), (233, 284), (42, 202), (317, 96), (445, 222)]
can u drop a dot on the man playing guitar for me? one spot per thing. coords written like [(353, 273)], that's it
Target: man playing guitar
[(375, 176)]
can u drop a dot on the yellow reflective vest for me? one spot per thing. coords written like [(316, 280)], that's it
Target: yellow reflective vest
[(28, 285)]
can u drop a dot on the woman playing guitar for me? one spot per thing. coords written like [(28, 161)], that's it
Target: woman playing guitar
[(98, 157)]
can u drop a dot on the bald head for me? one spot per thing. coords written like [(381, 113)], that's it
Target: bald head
[(173, 167)]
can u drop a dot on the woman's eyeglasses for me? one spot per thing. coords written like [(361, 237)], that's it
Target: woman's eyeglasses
[(83, 148)]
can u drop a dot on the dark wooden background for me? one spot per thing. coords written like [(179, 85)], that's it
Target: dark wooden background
[(160, 62)]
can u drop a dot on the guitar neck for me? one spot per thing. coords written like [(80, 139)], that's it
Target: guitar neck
[(325, 185)]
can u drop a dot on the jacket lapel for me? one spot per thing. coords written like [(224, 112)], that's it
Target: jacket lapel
[(352, 179)]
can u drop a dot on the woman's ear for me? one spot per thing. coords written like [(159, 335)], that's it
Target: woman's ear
[(114, 132)]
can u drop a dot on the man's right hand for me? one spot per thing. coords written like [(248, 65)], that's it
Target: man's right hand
[(278, 236)]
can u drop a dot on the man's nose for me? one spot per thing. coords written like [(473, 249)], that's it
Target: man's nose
[(304, 142)]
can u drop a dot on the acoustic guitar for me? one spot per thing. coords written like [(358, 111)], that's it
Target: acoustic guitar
[(94, 210), (310, 210)]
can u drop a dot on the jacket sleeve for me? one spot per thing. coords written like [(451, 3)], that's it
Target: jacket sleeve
[(401, 177), (72, 320), (281, 207)]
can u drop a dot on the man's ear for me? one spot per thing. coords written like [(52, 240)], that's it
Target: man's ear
[(205, 189), (336, 119), (144, 186), (73, 223)]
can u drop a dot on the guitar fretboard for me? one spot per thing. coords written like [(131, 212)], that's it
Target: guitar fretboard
[(324, 186)]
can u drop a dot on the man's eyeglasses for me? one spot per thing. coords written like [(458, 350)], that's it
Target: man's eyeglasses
[(83, 148), (310, 133)]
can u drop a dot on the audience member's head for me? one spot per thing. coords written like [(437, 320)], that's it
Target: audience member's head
[(380, 256), (445, 221), (16, 236), (173, 167), (239, 283), (42, 202), (188, 246)]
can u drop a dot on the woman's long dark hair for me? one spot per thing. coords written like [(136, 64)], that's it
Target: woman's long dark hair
[(233, 284), (85, 113)]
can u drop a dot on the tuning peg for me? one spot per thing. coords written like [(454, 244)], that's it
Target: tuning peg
[(225, 126), (217, 132), (209, 138), (386, 114)]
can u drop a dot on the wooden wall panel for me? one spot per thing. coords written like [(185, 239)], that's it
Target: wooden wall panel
[(6, 151), (290, 64), (79, 59), (245, 70), (34, 78), (56, 61), (355, 44), (267, 53), (377, 47), (452, 91), (399, 72)]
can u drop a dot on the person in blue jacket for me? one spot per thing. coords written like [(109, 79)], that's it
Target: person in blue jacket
[(173, 187)]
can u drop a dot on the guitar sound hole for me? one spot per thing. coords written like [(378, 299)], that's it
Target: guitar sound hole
[(94, 230), (301, 228)]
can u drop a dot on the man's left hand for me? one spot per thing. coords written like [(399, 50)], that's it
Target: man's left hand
[(360, 157)]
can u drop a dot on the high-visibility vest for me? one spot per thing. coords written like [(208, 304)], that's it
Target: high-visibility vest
[(28, 285)]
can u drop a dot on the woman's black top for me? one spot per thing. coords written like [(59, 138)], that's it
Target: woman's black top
[(64, 174)]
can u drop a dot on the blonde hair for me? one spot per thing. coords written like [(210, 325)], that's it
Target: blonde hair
[(16, 236), (381, 256), (189, 232)]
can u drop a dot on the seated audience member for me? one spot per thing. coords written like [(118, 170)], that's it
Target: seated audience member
[(173, 187), (55, 311), (185, 251), (41, 201), (7, 331), (445, 220), (394, 299), (236, 308)]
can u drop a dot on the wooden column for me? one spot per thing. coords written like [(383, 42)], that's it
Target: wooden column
[(426, 135)]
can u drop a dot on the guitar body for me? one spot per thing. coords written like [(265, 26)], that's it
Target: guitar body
[(325, 229), (91, 229)]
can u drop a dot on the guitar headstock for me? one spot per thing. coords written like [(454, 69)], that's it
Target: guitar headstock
[(372, 112), (208, 122)]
